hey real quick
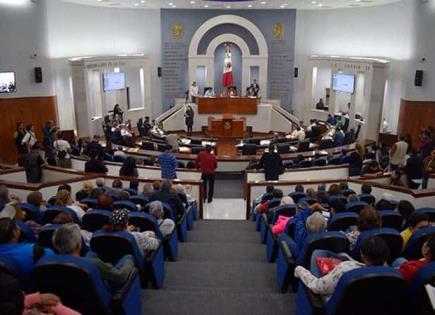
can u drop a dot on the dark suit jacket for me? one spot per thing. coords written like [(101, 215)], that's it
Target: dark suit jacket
[(172, 199), (272, 164)]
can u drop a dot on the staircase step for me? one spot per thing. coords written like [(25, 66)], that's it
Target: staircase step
[(216, 303), (221, 274), (232, 252)]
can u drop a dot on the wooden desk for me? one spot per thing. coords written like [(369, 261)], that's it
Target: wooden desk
[(228, 105), (226, 126)]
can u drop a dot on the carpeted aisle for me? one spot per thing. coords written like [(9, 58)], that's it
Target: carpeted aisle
[(221, 270)]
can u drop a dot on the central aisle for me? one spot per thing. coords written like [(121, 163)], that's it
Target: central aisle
[(221, 270)]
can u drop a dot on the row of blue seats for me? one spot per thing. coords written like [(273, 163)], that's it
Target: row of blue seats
[(346, 300)]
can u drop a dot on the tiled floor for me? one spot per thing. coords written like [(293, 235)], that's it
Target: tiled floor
[(225, 209)]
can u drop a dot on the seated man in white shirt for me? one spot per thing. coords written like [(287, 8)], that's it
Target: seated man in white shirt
[(62, 145), (298, 134), (209, 93), (120, 153)]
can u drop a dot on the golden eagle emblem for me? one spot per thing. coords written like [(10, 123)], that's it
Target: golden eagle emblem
[(177, 30), (278, 31)]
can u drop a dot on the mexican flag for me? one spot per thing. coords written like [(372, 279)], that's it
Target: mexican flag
[(228, 67)]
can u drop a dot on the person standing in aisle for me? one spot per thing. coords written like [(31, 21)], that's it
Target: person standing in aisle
[(189, 114), (207, 163)]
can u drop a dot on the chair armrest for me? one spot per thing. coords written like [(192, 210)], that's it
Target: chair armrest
[(182, 218), (287, 253), (152, 253), (314, 300), (266, 221), (119, 295)]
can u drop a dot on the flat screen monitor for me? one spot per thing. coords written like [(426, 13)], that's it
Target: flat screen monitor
[(343, 83), (114, 81), (7, 82)]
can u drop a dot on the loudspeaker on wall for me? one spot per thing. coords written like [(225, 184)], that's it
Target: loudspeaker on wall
[(38, 74), (159, 71), (418, 81), (296, 72)]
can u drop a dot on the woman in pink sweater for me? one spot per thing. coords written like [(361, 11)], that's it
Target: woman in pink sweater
[(13, 301)]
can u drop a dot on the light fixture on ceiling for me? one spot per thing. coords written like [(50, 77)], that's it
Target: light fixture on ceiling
[(205, 5)]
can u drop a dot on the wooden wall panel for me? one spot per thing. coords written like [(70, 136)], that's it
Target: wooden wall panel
[(36, 110), (413, 117)]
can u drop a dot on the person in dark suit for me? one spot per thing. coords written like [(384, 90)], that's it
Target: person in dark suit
[(189, 114), (256, 88), (271, 163), (94, 165), (95, 146)]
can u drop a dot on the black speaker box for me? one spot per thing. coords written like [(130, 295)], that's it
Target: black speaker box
[(38, 74), (418, 81), (296, 74), (159, 71)]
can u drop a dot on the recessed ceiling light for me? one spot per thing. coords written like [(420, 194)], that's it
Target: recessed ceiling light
[(228, 7), (136, 4), (192, 2), (205, 5), (143, 1), (263, 2), (320, 5), (170, 3), (313, 2), (249, 5)]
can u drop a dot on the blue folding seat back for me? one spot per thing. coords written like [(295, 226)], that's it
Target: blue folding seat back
[(392, 219), (284, 210), (27, 235), (336, 242), (146, 222), (370, 199), (190, 217), (296, 196), (429, 211), (347, 192), (370, 290), (273, 203), (131, 191), (341, 197), (271, 240), (32, 212), (94, 220), (112, 246), (356, 206), (308, 200), (412, 249), (112, 194), (287, 251), (52, 212), (420, 302), (51, 200), (342, 221), (79, 285), (391, 236), (139, 200), (127, 204), (90, 202), (266, 197)]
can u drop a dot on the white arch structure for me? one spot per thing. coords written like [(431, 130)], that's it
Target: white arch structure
[(248, 59)]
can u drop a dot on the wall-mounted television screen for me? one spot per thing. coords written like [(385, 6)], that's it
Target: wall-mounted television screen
[(343, 83), (114, 81), (7, 82)]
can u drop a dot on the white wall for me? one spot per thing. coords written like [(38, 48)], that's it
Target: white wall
[(381, 31), (23, 34), (75, 30)]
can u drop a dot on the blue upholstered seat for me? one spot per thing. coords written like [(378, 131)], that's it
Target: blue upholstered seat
[(79, 285), (412, 249), (32, 212), (342, 221), (95, 219), (391, 219)]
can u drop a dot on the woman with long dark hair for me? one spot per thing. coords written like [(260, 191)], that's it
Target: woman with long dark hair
[(129, 167)]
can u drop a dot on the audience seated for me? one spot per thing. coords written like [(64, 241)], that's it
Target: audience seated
[(146, 241), (25, 254), (166, 195), (147, 189), (408, 269), (63, 199), (166, 226), (263, 206), (68, 241), (385, 203), (129, 167), (374, 252), (368, 218), (416, 221), (14, 302), (405, 208)]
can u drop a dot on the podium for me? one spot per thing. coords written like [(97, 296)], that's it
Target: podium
[(227, 126)]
